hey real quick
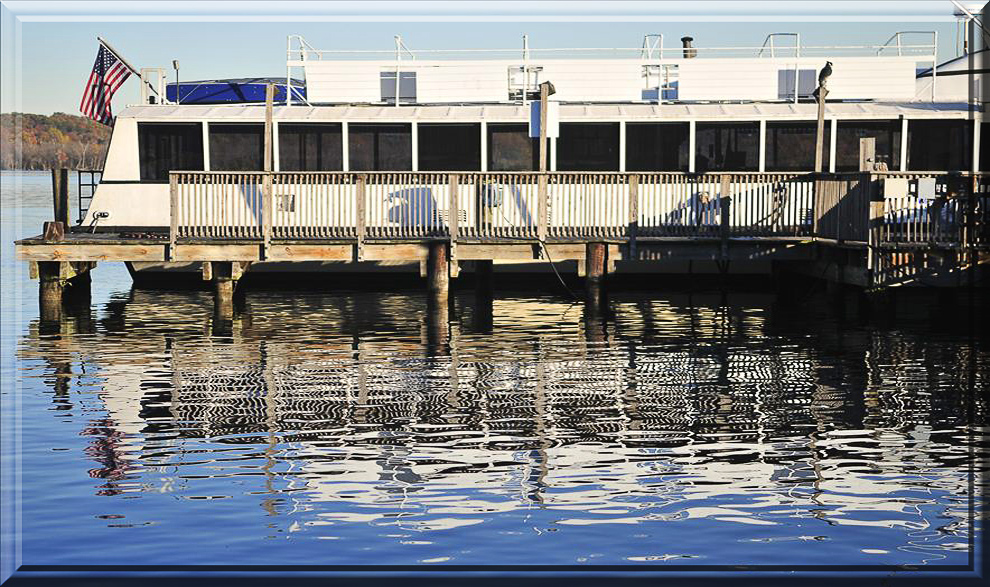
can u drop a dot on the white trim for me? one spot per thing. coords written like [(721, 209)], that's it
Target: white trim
[(553, 152), (904, 144), (976, 144), (622, 146), (276, 148), (763, 146), (345, 147), (484, 146), (415, 143), (832, 137), (206, 145), (692, 129)]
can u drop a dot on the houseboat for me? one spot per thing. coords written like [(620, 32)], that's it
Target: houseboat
[(409, 119)]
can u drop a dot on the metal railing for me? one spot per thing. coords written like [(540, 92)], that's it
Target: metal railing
[(577, 206)]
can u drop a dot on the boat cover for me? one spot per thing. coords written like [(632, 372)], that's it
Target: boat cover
[(232, 91)]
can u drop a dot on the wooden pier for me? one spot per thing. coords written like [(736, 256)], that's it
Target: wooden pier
[(873, 230)]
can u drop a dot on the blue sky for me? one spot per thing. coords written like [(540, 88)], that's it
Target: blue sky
[(57, 53)]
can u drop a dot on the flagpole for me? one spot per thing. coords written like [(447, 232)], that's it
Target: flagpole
[(129, 66), (117, 55)]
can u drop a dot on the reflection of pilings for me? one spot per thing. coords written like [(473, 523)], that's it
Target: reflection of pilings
[(483, 297), (437, 325), (223, 290), (595, 277)]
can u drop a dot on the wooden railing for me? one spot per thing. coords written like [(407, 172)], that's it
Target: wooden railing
[(409, 206)]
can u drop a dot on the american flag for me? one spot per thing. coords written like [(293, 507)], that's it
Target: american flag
[(109, 72)]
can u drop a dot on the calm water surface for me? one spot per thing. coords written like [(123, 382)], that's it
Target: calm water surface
[(341, 428)]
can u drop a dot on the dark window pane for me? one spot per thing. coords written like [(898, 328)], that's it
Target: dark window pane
[(727, 146), (985, 146), (888, 147), (237, 147), (173, 146), (791, 146), (939, 145), (449, 147), (657, 146), (309, 147), (511, 149), (588, 146), (407, 87), (380, 147)]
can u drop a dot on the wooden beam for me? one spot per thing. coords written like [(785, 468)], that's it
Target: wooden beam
[(60, 195), (73, 252)]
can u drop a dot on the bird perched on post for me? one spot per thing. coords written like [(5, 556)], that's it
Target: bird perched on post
[(823, 76)]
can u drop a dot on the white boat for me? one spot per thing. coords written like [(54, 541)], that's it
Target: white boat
[(685, 110)]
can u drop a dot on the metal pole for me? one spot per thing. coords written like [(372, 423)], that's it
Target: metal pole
[(398, 60), (544, 99)]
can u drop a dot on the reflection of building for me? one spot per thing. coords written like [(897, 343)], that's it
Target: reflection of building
[(676, 409)]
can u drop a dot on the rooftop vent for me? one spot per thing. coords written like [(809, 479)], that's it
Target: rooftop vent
[(689, 52)]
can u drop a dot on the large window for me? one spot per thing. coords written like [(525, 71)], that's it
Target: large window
[(791, 146), (939, 145), (310, 147), (888, 143), (449, 147), (172, 146), (727, 146), (237, 147), (380, 147), (657, 146), (511, 149), (588, 146)]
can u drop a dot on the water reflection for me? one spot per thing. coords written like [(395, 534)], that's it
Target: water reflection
[(381, 417)]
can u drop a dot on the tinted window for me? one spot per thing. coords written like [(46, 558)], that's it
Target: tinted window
[(380, 147), (310, 147), (174, 146), (449, 147), (791, 146), (888, 143), (939, 145), (237, 147), (511, 149), (657, 147), (727, 146), (588, 146)]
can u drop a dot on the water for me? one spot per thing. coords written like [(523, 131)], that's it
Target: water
[(343, 428)]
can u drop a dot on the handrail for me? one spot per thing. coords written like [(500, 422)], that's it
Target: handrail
[(770, 38)]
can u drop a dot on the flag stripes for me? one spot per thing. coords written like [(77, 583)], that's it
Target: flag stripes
[(109, 73)]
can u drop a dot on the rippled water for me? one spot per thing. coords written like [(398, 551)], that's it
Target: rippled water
[(348, 428)]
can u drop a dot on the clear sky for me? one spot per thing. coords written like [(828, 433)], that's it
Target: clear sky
[(56, 54)]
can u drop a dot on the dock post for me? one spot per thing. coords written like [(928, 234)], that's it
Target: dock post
[(437, 270), (594, 281), (223, 290), (50, 291), (60, 195)]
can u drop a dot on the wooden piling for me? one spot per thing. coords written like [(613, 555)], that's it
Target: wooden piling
[(50, 291), (223, 290), (60, 195), (437, 270), (594, 275)]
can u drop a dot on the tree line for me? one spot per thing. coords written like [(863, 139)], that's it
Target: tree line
[(37, 141)]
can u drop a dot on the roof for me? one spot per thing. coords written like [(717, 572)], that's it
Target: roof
[(568, 112)]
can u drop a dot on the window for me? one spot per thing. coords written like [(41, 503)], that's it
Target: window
[(657, 146), (237, 147), (985, 146), (939, 145), (888, 148), (172, 146), (791, 146), (588, 146), (807, 83), (511, 149), (727, 146), (407, 87), (380, 147), (449, 147), (310, 147)]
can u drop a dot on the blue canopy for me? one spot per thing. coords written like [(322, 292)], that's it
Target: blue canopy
[(233, 91)]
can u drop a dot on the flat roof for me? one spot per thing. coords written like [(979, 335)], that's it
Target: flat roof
[(568, 112)]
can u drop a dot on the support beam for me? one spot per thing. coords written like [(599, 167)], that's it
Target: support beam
[(60, 195), (50, 291), (832, 143), (437, 270), (763, 146), (223, 290), (692, 128), (904, 145), (594, 275)]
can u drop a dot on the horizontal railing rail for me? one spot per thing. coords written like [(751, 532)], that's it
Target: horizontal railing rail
[(609, 206)]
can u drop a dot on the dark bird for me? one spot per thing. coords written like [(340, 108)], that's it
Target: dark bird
[(824, 74)]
